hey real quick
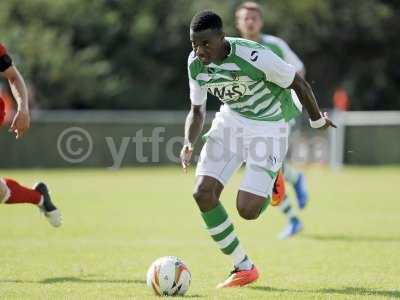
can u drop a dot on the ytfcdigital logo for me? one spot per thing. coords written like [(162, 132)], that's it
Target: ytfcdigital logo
[(75, 145)]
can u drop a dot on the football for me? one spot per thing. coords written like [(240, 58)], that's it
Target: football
[(168, 276)]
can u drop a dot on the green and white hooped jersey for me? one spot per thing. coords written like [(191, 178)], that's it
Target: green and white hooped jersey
[(251, 81), (282, 49)]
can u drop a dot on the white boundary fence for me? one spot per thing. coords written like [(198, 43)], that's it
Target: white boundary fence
[(331, 147), (356, 118)]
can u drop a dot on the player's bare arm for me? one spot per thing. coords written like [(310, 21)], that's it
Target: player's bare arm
[(11, 192), (21, 122), (193, 126), (307, 98), (302, 73)]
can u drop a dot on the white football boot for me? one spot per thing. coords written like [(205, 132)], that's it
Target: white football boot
[(47, 207)]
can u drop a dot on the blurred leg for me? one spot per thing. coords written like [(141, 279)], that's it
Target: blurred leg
[(18, 194), (297, 179)]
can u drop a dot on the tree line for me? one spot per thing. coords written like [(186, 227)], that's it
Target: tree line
[(131, 54)]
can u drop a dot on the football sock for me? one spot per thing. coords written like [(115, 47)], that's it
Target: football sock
[(291, 174), (245, 264), (222, 231), (20, 194), (265, 205), (287, 210)]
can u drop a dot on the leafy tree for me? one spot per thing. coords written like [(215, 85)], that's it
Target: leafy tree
[(131, 54)]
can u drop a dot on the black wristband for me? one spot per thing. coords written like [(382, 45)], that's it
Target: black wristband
[(5, 62)]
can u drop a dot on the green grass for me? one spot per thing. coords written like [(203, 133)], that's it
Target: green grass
[(118, 222)]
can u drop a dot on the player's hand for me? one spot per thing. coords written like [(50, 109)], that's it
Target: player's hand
[(186, 155), (21, 123), (328, 123)]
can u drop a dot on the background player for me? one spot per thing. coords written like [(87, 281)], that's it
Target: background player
[(11, 192), (249, 23), (254, 85)]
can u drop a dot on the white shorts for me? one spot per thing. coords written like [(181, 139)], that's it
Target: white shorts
[(234, 140)]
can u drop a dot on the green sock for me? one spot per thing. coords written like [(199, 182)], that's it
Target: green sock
[(222, 231), (265, 205)]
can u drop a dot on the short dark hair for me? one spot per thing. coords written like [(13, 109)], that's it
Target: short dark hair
[(205, 19), (250, 5)]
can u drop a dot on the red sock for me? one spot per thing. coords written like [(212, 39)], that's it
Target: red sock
[(20, 194)]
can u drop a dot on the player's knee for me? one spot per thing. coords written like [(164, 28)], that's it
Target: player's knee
[(248, 212), (203, 193), (206, 192), (205, 197), (249, 206)]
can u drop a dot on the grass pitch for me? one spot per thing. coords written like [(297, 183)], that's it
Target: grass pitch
[(117, 222)]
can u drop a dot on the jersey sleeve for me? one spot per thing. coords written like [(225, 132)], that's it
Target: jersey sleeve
[(3, 50), (198, 94), (290, 57), (2, 111), (275, 69), (5, 59)]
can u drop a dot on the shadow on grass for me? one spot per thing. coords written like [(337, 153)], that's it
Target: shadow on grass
[(272, 289), (86, 280), (75, 280), (351, 238), (354, 291), (362, 292), (83, 280)]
